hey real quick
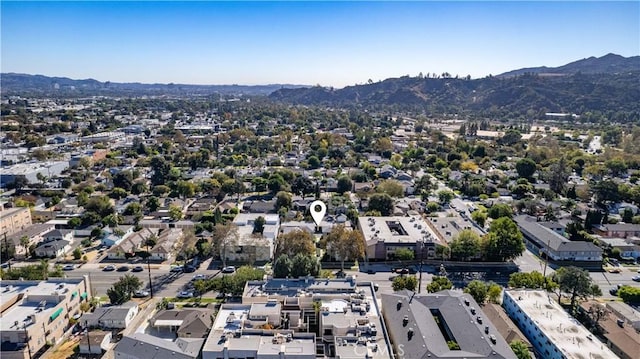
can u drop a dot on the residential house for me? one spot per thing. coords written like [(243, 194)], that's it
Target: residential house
[(95, 342), (34, 233), (254, 246), (145, 346), (52, 249), (113, 236), (167, 241), (111, 317), (59, 235), (617, 328), (185, 322), (132, 244)]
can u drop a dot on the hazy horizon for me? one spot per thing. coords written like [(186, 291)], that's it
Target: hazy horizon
[(306, 43)]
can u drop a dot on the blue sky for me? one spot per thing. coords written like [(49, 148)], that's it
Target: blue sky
[(327, 43)]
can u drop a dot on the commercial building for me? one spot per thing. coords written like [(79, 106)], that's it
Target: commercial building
[(14, 220), (31, 170), (36, 313), (384, 235), (302, 318), (544, 239), (553, 333), (446, 324)]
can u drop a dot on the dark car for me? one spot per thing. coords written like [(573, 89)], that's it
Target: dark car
[(189, 269), (123, 268), (137, 269)]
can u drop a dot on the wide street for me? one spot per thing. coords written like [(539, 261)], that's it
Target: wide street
[(165, 282)]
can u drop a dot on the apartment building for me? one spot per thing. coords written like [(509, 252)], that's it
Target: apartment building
[(553, 333), (302, 318), (36, 313), (13, 220)]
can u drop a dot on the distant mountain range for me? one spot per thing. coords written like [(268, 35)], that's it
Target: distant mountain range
[(13, 83), (607, 64), (608, 83)]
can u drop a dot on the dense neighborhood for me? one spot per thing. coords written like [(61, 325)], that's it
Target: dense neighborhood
[(181, 227)]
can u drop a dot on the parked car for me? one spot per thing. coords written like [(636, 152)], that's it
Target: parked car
[(137, 269), (123, 268), (184, 295), (229, 269), (199, 277), (177, 269), (189, 269), (636, 278), (140, 294), (69, 267), (109, 268)]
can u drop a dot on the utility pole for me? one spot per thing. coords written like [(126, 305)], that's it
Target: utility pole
[(149, 270), (6, 250), (26, 338), (421, 263)]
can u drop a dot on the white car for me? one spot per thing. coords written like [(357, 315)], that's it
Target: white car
[(185, 295), (229, 269), (69, 267)]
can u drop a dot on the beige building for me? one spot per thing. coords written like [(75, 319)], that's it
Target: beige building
[(13, 220), (34, 313), (304, 318)]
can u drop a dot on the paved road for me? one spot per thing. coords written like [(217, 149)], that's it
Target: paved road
[(166, 283)]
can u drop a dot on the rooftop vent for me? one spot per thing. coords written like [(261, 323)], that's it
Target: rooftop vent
[(399, 305), (410, 334), (405, 320)]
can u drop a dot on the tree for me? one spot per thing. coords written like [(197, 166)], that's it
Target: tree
[(101, 205), (161, 169), (494, 293), (478, 290), (344, 244), (499, 210), (504, 240), (404, 254), (225, 236), (344, 184), (439, 283), (574, 281), (175, 213), (466, 245), (629, 294), (283, 200), (282, 267), (314, 162), (303, 265), (480, 217), (445, 196), (77, 253), (606, 191), (153, 203), (530, 280), (526, 167), (258, 225), (391, 187), (294, 242), (382, 203), (404, 282), (558, 176), (597, 312), (123, 289), (520, 349)]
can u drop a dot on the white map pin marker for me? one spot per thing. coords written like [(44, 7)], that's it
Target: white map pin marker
[(318, 210)]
